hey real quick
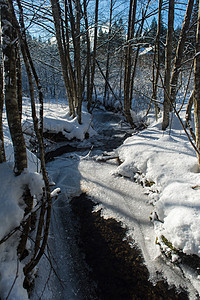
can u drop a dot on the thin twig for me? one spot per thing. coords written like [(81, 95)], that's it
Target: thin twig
[(187, 86), (16, 276), (5, 238)]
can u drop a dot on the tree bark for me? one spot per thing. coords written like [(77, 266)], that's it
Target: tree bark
[(127, 71), (168, 58), (108, 54), (138, 49), (179, 51), (88, 64), (78, 58), (19, 82), (2, 150), (57, 25), (37, 81), (189, 109), (94, 53), (46, 204), (197, 87), (156, 60), (9, 56)]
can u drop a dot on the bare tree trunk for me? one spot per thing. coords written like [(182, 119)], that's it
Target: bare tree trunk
[(9, 54), (19, 83), (67, 54), (37, 81), (75, 32), (108, 54), (121, 77), (156, 60), (179, 51), (46, 204), (127, 72), (88, 65), (189, 109), (2, 150), (94, 53), (78, 58), (168, 58), (138, 50), (197, 86), (57, 24)]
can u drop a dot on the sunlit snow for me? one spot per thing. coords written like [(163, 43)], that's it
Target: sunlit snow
[(166, 160)]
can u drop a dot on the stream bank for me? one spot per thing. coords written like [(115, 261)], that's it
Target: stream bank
[(81, 240), (117, 264)]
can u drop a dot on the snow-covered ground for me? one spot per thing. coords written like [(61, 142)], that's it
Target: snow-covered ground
[(165, 162), (11, 216)]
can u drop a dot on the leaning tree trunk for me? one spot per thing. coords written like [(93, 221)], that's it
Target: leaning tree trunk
[(168, 58), (11, 101), (197, 87)]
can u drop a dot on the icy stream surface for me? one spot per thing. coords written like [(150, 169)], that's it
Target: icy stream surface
[(119, 197)]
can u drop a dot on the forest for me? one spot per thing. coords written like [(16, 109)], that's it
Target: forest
[(99, 149)]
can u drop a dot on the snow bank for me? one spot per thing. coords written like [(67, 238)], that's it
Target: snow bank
[(167, 164), (11, 215), (57, 119)]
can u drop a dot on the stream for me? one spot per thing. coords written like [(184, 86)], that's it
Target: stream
[(88, 245)]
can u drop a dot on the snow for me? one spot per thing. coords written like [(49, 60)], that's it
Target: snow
[(164, 162), (11, 216), (56, 118), (170, 163), (59, 120)]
